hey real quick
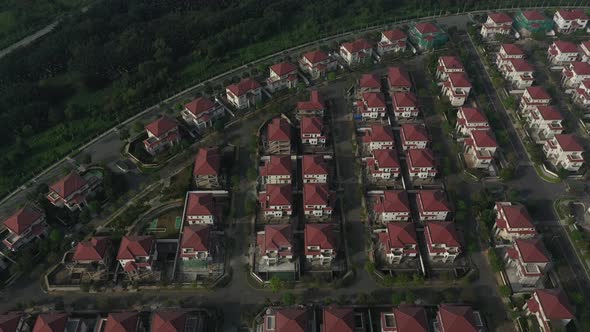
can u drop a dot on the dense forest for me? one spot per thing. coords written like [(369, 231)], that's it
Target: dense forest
[(100, 67)]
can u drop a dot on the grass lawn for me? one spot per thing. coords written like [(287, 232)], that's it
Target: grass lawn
[(545, 177), (166, 224)]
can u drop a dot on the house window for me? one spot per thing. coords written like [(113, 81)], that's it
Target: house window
[(270, 323), (389, 321)]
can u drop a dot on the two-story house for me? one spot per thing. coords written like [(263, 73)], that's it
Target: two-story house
[(570, 20), (298, 319), (551, 308), (314, 169), (371, 106), (398, 242), (275, 244), (98, 251), (200, 208), (383, 165), (496, 24), (507, 52), (368, 83), (51, 321), (202, 112), (480, 148), (584, 51), (278, 137), (318, 200), (532, 97), (343, 319), (398, 80), (282, 76), (544, 122), (378, 137), (392, 41), (14, 321), (421, 163), (207, 170), (71, 191), (172, 320), (448, 64), (312, 132), (530, 22), (389, 205), (564, 151), (581, 95), (513, 222), (195, 243), (162, 134), (456, 88), (574, 73), (518, 72), (137, 254), (127, 321), (427, 36), (414, 136), (455, 317), (405, 105), (469, 119), (358, 51), (244, 94), (530, 260), (562, 52), (442, 241), (317, 64), (24, 226), (313, 107), (404, 318), (276, 170), (321, 243), (276, 201), (432, 205)]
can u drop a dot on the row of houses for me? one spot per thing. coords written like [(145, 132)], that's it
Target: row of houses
[(533, 21)]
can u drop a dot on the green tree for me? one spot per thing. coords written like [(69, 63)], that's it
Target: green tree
[(495, 261), (397, 298), (563, 173), (276, 284), (505, 291), (369, 267), (288, 299), (410, 297)]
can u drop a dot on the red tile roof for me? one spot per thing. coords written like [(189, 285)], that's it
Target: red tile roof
[(533, 15), (565, 46), (443, 232), (276, 236), (200, 204), (521, 65), (386, 158), (404, 99), (516, 215), (459, 80), (162, 126), (122, 322), (94, 249), (277, 194), (451, 62), (399, 235), (424, 28), (512, 49), (135, 246), (370, 81), (51, 322), (374, 99), (357, 45), (316, 194), (9, 321), (321, 235), (531, 250), (338, 319), (314, 164), (398, 77), (283, 68), (311, 125), (316, 56), (500, 18), (473, 115), (433, 200), (457, 318), (244, 86), (68, 185), (200, 105), (207, 162), (573, 14), (391, 201), (279, 130), (276, 165), (569, 143), (549, 113), (410, 319), (381, 133), (580, 68), (537, 92), (292, 320), (196, 237), (484, 138), (22, 220), (316, 102), (420, 158), (554, 303), (169, 321), (394, 35), (413, 133)]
